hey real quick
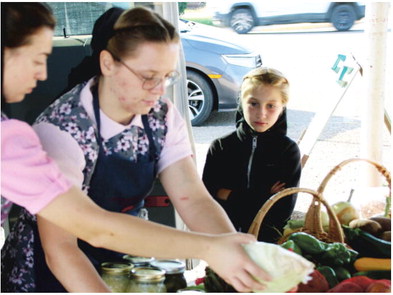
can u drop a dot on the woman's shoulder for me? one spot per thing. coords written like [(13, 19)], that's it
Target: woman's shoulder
[(17, 137), (16, 128)]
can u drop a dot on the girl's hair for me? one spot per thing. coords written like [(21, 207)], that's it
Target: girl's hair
[(267, 77), (136, 26), (20, 20)]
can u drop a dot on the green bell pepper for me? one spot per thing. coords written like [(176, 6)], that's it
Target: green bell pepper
[(291, 245), (336, 254)]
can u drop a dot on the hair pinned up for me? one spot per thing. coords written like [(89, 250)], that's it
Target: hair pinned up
[(121, 32), (139, 25)]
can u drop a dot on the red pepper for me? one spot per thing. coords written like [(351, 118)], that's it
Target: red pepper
[(317, 284), (199, 281), (346, 287), (362, 281), (362, 284)]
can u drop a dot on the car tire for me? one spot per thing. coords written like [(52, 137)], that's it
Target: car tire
[(200, 98), (242, 20), (343, 17)]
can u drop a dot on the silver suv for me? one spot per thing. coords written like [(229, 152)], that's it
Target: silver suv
[(243, 16)]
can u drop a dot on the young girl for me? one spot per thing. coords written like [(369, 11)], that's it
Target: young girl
[(111, 136), (246, 167)]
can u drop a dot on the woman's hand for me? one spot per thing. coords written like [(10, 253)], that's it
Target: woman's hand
[(230, 261), (278, 186)]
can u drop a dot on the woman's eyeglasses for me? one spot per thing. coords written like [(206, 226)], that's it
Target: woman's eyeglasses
[(150, 83)]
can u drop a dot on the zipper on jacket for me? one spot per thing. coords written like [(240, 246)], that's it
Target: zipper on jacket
[(254, 146)]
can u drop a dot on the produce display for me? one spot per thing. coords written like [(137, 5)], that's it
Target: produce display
[(361, 264), (350, 254)]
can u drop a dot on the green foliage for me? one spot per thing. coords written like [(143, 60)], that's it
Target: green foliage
[(182, 7)]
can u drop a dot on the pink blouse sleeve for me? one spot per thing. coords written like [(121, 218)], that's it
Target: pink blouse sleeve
[(28, 177), (177, 144)]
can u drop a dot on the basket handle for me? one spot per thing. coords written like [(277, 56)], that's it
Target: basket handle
[(381, 169), (335, 230)]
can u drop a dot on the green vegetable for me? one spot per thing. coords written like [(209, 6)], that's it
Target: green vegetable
[(213, 283), (291, 245), (336, 254), (342, 273), (295, 223), (366, 244), (308, 243), (354, 254), (329, 274), (375, 274)]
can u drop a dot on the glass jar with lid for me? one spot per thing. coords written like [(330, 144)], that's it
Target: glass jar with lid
[(146, 279), (174, 273), (138, 261), (116, 275)]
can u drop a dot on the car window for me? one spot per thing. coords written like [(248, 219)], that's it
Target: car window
[(78, 18)]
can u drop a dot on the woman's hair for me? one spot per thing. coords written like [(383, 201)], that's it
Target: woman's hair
[(267, 77), (20, 20), (121, 32), (136, 26)]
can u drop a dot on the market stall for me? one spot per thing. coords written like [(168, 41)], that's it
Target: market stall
[(346, 251)]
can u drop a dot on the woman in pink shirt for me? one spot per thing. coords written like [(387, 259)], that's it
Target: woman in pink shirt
[(32, 180)]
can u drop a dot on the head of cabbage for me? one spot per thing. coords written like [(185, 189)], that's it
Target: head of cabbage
[(286, 268)]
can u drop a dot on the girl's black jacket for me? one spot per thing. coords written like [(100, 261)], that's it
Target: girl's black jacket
[(249, 163)]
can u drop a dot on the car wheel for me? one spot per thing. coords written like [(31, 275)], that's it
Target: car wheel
[(343, 17), (242, 21), (200, 98)]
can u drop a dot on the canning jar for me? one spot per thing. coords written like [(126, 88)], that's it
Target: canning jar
[(174, 273), (146, 279), (138, 261), (116, 275)]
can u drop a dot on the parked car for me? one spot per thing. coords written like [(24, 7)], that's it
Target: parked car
[(215, 65), (242, 16)]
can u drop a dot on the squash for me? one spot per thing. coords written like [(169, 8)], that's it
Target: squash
[(370, 263)]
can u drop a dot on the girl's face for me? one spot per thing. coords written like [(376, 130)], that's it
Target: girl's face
[(152, 60), (262, 106), (25, 65)]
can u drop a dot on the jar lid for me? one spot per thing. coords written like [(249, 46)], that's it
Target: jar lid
[(148, 274), (170, 266), (138, 260), (116, 267)]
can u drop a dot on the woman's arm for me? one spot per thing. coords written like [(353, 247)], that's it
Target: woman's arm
[(79, 215), (67, 262), (192, 200)]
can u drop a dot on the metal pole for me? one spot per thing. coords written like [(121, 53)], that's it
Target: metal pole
[(375, 83), (178, 93)]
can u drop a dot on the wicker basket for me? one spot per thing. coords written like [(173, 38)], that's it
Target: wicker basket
[(381, 169), (312, 222)]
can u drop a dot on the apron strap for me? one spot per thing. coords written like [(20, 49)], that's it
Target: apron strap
[(149, 133), (96, 107)]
